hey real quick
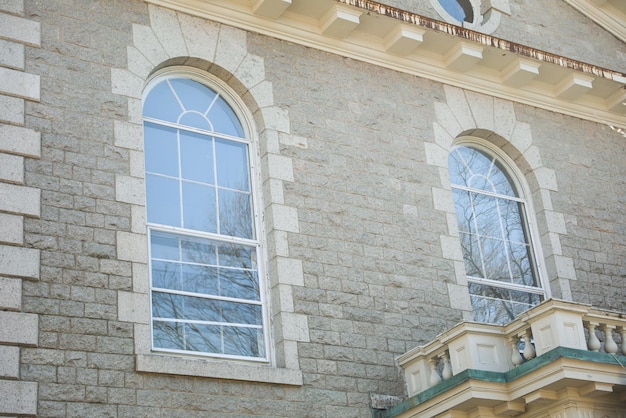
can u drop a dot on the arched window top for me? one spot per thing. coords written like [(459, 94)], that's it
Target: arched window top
[(185, 101), (476, 169)]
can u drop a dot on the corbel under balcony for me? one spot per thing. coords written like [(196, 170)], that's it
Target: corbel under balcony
[(554, 355), (372, 32)]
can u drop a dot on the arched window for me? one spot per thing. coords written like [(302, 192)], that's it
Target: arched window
[(206, 288), (492, 218)]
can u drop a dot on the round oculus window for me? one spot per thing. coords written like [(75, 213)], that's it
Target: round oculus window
[(460, 10)]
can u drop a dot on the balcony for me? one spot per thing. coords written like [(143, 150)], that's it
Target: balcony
[(558, 359)]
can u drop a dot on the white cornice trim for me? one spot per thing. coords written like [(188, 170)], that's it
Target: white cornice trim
[(612, 20), (583, 98)]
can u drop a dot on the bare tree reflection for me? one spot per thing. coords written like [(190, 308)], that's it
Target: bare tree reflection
[(219, 309), (494, 239)]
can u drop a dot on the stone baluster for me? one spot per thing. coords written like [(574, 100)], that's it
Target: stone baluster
[(434, 374), (623, 334), (593, 343), (446, 373), (516, 357), (610, 346), (529, 350)]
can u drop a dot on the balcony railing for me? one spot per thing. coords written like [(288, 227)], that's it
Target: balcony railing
[(501, 348)]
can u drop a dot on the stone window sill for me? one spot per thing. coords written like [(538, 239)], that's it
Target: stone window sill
[(155, 363)]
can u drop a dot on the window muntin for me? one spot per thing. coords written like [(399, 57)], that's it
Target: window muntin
[(206, 295), (494, 234)]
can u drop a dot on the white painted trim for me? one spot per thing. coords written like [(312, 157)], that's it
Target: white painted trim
[(611, 20)]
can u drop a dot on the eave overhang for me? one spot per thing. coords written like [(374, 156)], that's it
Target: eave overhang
[(368, 31)]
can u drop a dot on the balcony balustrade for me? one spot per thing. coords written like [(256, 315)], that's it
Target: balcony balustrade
[(536, 358)]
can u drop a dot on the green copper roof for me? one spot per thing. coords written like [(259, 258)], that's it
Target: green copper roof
[(500, 377)]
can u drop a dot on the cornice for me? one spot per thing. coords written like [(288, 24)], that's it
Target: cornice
[(604, 13), (402, 41)]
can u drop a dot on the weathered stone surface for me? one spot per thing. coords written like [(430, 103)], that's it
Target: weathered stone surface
[(356, 215)]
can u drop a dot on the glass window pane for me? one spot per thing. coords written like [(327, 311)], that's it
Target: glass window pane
[(511, 214), (241, 313), (193, 95), (204, 338), (521, 264), (478, 165), (197, 250), (232, 165), (243, 341), (235, 214), (167, 305), (201, 279), (161, 103), (471, 255), (163, 200), (199, 210), (501, 182), (166, 275), (164, 246), (496, 259), (197, 157), (457, 167), (242, 284), (454, 9), (200, 309), (495, 305), (486, 215), (473, 168), (174, 306), (224, 119), (195, 120), (237, 256), (463, 208), (161, 149), (169, 335)]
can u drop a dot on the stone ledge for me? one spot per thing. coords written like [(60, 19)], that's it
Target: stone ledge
[(154, 363)]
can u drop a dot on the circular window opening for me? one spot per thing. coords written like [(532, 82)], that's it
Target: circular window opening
[(460, 10)]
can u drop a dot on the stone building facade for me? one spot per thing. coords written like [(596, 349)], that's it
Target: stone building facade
[(358, 247)]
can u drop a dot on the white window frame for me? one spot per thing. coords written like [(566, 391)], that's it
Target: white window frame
[(245, 119), (528, 216)]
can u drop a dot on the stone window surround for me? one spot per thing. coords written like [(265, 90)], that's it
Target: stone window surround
[(177, 38), (469, 116), (18, 262), (247, 123)]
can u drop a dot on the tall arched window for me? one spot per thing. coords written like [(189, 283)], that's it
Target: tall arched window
[(206, 289), (492, 217)]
